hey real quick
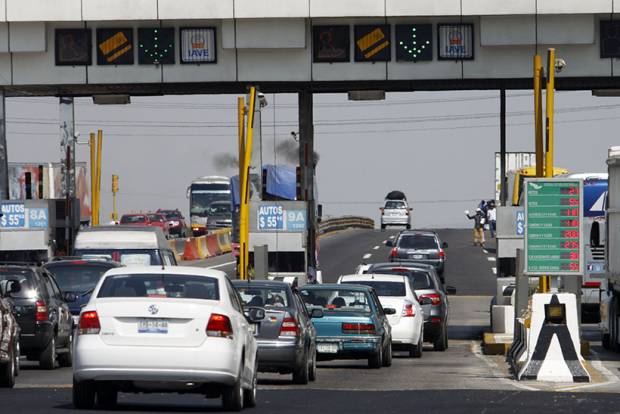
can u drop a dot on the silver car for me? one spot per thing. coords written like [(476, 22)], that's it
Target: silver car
[(419, 246), (426, 284), (286, 338), (396, 213)]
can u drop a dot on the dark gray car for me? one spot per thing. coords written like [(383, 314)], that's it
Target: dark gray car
[(286, 338), (419, 246), (426, 284)]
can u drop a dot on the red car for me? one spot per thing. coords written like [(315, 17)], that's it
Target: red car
[(158, 220), (176, 222)]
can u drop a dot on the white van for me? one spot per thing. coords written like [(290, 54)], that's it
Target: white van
[(125, 244)]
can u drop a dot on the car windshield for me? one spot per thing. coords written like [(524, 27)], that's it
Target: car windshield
[(78, 278), (25, 279), (173, 216), (133, 219), (383, 288), (419, 278), (269, 297), (220, 208), (160, 286), (125, 256), (417, 241), (156, 217), (337, 300), (390, 205)]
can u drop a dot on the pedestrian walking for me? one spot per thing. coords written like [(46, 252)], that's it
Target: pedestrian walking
[(479, 220), (492, 219)]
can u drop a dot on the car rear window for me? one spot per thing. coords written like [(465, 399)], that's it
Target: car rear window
[(132, 219), (173, 216), (337, 300), (420, 279), (78, 278), (417, 241), (160, 286), (25, 279), (155, 217), (394, 205), (269, 297), (381, 287)]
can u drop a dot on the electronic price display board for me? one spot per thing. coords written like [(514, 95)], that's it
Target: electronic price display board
[(554, 242)]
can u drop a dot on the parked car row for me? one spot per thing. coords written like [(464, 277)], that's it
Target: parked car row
[(171, 222)]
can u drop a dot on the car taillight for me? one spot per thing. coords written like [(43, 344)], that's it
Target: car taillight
[(591, 285), (435, 319), (434, 297), (408, 310), (442, 254), (289, 327), (219, 326), (394, 252), (89, 323), (41, 311), (358, 328)]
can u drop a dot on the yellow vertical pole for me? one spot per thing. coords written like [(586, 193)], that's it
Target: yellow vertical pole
[(538, 118), (245, 189), (114, 191), (240, 122), (550, 109), (98, 174), (93, 167)]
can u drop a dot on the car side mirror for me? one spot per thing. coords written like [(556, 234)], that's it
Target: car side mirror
[(426, 301), (389, 243), (69, 297), (450, 290), (389, 311), (316, 313), (444, 245), (255, 315)]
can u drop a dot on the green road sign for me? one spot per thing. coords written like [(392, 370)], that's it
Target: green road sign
[(553, 227)]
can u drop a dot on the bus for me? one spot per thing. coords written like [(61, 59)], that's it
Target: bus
[(202, 192)]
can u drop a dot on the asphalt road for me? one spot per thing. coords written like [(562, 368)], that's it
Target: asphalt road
[(459, 380)]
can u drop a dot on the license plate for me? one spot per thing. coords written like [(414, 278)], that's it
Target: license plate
[(417, 256), (154, 326), (327, 348)]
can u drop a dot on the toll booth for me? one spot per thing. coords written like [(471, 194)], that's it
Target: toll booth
[(509, 236), (34, 230)]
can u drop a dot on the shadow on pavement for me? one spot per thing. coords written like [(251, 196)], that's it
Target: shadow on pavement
[(466, 332)]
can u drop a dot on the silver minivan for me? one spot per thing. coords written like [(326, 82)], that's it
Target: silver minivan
[(396, 213)]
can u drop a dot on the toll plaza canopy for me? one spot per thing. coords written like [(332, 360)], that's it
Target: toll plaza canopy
[(84, 47)]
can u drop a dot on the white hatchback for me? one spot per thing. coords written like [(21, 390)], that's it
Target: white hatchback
[(178, 329), (395, 291)]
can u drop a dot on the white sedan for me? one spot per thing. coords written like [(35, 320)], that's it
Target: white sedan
[(178, 329), (396, 292)]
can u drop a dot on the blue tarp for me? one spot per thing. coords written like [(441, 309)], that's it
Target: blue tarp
[(281, 183)]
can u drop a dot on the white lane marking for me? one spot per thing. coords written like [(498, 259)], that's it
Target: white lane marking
[(221, 265), (496, 371), (491, 259), (391, 237), (376, 248), (494, 269), (384, 241), (485, 251), (367, 256)]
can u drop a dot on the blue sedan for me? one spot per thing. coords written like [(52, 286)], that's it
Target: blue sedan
[(350, 323)]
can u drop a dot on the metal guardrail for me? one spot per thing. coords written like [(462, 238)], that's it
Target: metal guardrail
[(345, 222)]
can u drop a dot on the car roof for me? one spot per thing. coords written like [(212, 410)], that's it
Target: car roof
[(134, 214), (261, 283), (80, 262), (414, 265), (167, 270), (335, 286), (373, 276), (121, 237), (421, 232)]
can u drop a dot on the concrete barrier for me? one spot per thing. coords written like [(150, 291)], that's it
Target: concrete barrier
[(212, 245), (190, 251), (345, 222), (201, 245), (223, 241)]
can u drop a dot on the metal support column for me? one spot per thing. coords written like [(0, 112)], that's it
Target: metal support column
[(307, 164), (67, 147), (522, 288), (4, 156), (502, 147)]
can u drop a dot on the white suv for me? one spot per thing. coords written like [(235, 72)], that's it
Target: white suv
[(396, 213)]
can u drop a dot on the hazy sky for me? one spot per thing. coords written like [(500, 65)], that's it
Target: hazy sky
[(437, 147)]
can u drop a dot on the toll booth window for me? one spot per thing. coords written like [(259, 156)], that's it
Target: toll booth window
[(285, 262)]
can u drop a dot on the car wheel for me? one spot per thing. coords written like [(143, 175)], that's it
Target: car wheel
[(416, 350), (383, 227), (408, 226), (387, 355), (232, 396), (8, 372), (312, 372), (249, 396), (47, 359), (301, 374), (441, 342), (376, 360), (83, 394), (66, 359)]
